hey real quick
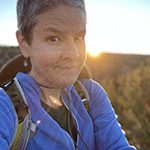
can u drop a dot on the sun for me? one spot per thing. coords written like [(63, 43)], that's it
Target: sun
[(92, 46), (94, 52)]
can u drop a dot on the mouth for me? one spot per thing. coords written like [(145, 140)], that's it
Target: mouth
[(68, 66)]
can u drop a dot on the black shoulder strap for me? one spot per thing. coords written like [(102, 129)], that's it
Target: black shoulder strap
[(83, 93), (25, 124), (21, 108)]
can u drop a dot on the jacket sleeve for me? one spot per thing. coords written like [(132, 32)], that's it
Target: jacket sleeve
[(7, 121), (107, 130)]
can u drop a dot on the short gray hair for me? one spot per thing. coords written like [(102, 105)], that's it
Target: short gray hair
[(27, 11)]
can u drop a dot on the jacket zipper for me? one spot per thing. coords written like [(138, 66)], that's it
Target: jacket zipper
[(74, 119)]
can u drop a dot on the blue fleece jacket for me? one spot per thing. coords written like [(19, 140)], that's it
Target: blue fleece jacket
[(99, 128)]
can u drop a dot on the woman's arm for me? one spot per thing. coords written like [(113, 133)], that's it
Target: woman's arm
[(108, 132), (7, 121)]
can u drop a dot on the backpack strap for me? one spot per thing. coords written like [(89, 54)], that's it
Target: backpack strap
[(25, 127), (18, 101), (28, 130), (83, 93)]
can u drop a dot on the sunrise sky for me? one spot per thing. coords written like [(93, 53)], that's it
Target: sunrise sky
[(113, 25)]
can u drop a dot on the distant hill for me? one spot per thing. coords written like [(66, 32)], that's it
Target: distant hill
[(107, 65)]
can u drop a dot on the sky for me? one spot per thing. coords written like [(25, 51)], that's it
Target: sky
[(117, 26)]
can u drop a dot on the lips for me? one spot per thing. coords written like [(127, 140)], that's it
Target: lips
[(67, 65)]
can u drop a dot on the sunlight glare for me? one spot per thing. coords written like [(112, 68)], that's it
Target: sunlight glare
[(94, 52)]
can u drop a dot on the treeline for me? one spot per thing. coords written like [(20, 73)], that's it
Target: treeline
[(7, 53), (130, 96)]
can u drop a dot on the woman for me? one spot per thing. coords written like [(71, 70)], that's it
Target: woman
[(51, 34)]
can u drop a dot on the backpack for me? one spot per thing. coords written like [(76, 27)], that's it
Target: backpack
[(26, 128)]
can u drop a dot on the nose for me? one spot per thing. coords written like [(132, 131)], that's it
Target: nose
[(72, 50)]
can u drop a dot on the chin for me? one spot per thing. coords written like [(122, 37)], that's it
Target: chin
[(70, 80)]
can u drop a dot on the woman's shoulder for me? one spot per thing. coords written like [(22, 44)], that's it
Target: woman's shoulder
[(97, 94), (3, 96), (93, 87), (8, 118), (5, 102)]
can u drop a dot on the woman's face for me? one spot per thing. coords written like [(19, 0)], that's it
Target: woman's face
[(57, 52)]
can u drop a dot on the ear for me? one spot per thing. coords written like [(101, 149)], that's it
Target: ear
[(23, 45)]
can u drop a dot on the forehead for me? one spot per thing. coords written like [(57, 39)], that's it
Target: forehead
[(63, 17)]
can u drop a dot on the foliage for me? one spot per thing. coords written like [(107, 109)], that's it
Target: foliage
[(7, 53), (130, 96)]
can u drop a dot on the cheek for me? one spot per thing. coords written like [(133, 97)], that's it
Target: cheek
[(83, 53), (43, 60)]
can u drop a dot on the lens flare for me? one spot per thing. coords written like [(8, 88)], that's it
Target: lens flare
[(94, 53)]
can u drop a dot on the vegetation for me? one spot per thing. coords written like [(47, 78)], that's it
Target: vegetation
[(126, 78), (7, 53), (131, 99)]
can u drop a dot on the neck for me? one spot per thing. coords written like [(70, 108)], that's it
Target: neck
[(51, 97)]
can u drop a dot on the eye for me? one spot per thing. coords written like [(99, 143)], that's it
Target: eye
[(79, 38), (53, 39)]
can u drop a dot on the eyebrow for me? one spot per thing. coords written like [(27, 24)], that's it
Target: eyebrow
[(51, 29), (82, 32)]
